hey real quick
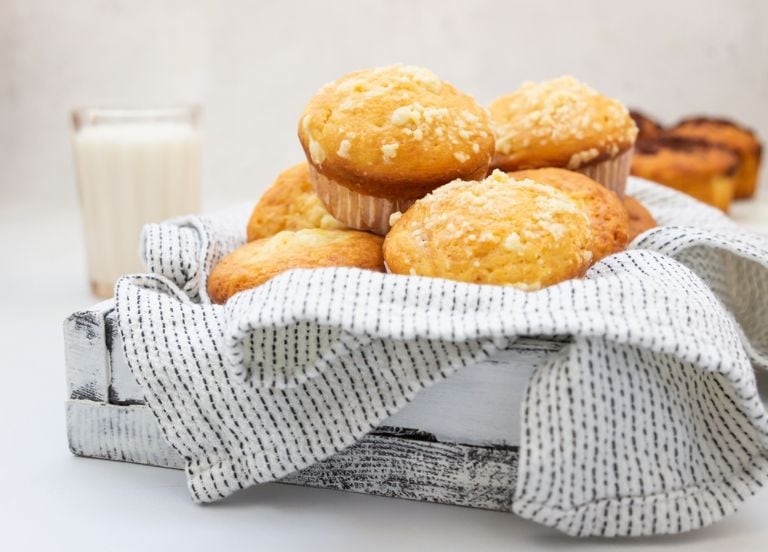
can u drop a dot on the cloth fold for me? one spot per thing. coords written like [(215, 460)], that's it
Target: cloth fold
[(648, 421)]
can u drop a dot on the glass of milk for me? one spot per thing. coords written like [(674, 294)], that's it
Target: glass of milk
[(134, 166)]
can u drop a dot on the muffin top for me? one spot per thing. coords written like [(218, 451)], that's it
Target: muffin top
[(254, 263), (607, 215), (290, 203), (496, 231), (560, 123), (719, 131), (672, 157), (640, 219), (395, 132)]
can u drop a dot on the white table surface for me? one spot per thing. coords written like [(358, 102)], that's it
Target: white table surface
[(52, 500)]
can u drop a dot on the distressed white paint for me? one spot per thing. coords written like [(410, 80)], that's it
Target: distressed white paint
[(124, 433), (85, 353), (457, 449), (123, 386), (383, 463)]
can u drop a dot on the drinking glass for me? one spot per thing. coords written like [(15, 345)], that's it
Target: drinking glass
[(134, 166)]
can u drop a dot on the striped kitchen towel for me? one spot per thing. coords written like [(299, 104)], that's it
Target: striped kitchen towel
[(648, 421)]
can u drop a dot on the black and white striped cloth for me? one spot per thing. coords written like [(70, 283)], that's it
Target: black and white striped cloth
[(648, 422)]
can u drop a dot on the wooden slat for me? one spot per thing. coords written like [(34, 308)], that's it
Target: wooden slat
[(390, 462), (123, 433), (123, 387), (86, 353), (398, 465)]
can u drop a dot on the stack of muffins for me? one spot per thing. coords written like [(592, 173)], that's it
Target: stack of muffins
[(406, 173), (711, 159)]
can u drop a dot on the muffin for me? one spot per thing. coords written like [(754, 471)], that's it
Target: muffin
[(728, 134), (640, 219), (254, 263), (290, 203), (696, 167), (497, 231), (378, 139), (564, 123), (646, 126), (608, 218)]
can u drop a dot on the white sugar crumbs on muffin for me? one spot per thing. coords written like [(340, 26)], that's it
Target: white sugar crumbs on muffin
[(582, 158), (407, 114), (316, 151), (394, 217), (559, 110), (343, 150), (461, 157), (389, 151), (550, 204), (415, 121)]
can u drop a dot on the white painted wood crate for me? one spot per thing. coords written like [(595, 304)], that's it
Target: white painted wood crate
[(455, 443)]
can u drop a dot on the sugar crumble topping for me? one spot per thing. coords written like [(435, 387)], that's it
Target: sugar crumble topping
[(556, 111), (394, 217), (464, 130), (461, 157), (389, 151), (550, 203), (500, 220), (583, 157), (343, 150)]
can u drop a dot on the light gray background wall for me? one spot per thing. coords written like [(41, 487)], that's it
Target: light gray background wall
[(253, 65)]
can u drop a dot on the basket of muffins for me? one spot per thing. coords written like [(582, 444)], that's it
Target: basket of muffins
[(404, 173)]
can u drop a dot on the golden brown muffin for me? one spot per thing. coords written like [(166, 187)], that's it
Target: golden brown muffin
[(564, 123), (254, 263), (696, 167), (609, 222), (731, 135), (290, 203), (496, 231), (646, 126), (640, 219), (379, 139)]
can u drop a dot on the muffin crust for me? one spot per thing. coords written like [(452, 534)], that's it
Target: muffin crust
[(290, 203), (254, 263), (640, 219), (558, 123), (395, 132), (497, 231), (608, 217)]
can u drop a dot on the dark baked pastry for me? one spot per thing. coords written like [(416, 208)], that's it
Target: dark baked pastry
[(696, 167), (731, 135), (646, 126)]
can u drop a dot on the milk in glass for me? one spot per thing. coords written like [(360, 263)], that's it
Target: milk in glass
[(134, 166)]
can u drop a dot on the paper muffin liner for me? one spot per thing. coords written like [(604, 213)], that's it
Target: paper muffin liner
[(356, 210), (611, 173)]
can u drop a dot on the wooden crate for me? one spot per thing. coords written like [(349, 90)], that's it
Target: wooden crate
[(455, 443)]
